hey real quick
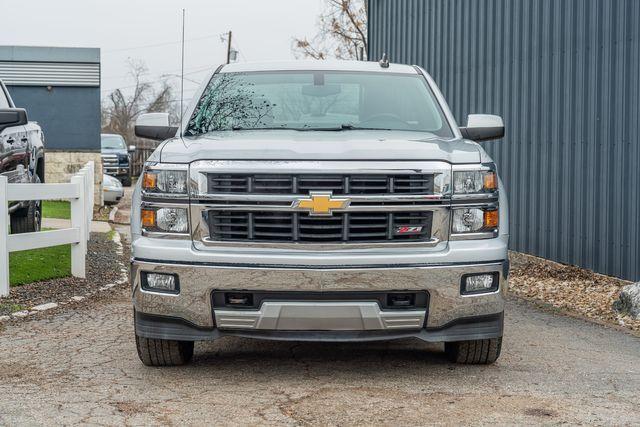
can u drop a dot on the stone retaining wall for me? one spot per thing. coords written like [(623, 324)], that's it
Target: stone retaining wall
[(61, 165)]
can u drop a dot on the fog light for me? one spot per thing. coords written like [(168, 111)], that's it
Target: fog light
[(160, 282), (480, 283)]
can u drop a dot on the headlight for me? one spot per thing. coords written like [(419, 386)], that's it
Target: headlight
[(164, 219), (474, 182), (165, 181), (474, 220)]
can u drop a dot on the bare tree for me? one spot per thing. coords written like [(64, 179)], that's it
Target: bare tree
[(342, 32), (121, 109)]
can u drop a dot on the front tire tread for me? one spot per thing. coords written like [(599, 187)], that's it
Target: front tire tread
[(157, 352), (475, 352)]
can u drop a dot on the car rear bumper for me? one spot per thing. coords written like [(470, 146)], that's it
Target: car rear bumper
[(297, 316), (112, 195)]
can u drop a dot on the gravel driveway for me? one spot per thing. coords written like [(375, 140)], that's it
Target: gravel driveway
[(81, 367)]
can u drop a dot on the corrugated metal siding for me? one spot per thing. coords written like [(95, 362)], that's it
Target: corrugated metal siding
[(565, 75), (50, 73)]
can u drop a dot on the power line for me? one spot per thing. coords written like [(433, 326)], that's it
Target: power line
[(160, 44), (189, 71), (153, 81)]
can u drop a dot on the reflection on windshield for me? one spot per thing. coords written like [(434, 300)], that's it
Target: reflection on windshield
[(317, 100), (112, 142), (229, 102)]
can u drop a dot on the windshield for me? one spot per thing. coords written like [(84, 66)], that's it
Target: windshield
[(112, 141), (317, 100)]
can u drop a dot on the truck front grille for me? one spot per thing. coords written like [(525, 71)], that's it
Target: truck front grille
[(356, 184), (110, 159), (266, 226)]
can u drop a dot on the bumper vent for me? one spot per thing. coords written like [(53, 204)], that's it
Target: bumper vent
[(300, 227), (303, 184)]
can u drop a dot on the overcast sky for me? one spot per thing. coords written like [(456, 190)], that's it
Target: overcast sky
[(262, 30)]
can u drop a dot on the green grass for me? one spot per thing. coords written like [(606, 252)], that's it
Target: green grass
[(11, 307), (39, 264), (56, 209)]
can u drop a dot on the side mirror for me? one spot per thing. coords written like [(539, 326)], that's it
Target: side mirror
[(12, 117), (483, 127), (132, 148), (154, 126)]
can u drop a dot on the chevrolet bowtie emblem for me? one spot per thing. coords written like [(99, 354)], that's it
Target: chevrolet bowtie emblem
[(319, 204)]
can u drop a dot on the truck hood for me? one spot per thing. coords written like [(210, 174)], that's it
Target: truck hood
[(318, 145), (113, 151)]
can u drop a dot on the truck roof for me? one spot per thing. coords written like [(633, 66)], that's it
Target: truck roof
[(315, 65)]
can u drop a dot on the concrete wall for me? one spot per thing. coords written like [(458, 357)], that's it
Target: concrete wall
[(61, 165)]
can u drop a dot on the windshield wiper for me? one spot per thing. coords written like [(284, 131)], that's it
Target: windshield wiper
[(238, 127), (345, 126)]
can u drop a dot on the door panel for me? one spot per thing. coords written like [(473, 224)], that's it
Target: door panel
[(13, 153)]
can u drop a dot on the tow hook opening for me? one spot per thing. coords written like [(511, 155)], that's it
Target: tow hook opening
[(239, 299), (401, 300)]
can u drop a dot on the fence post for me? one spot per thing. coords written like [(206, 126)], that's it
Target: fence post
[(87, 200), (78, 220), (90, 184), (4, 230)]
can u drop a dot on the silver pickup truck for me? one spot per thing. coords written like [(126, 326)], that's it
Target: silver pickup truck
[(319, 201)]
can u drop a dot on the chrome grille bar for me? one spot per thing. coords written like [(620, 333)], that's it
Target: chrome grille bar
[(256, 203)]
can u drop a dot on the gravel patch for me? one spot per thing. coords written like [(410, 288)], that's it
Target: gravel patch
[(573, 289), (104, 263)]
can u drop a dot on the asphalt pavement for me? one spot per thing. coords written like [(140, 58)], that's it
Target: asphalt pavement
[(81, 367)]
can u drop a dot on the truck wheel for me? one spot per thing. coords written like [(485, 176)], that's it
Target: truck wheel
[(154, 352), (27, 220), (126, 181), (476, 352)]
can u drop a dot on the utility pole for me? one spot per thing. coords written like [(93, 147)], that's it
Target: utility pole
[(229, 47)]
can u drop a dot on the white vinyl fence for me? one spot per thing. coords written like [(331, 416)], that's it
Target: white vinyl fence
[(79, 191)]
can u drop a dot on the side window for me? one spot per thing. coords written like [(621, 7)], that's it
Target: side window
[(4, 102)]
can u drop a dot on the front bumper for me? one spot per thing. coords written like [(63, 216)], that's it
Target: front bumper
[(192, 309), (121, 170)]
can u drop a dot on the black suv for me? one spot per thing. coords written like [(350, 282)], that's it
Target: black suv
[(116, 160)]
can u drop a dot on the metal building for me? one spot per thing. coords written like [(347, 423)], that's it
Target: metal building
[(565, 76), (60, 88)]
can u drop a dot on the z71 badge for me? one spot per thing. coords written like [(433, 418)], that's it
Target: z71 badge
[(408, 230)]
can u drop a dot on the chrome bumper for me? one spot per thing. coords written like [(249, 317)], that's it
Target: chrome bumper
[(319, 316), (116, 170), (197, 282)]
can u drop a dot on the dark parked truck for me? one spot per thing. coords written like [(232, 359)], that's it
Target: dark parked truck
[(21, 160), (319, 201), (116, 160)]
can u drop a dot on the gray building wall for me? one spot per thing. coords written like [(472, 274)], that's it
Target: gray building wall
[(69, 116), (565, 75), (60, 89)]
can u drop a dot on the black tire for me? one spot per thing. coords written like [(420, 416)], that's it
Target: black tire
[(154, 352), (126, 181), (477, 352), (27, 220)]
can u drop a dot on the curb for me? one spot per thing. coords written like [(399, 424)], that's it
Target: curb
[(41, 308), (112, 214)]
